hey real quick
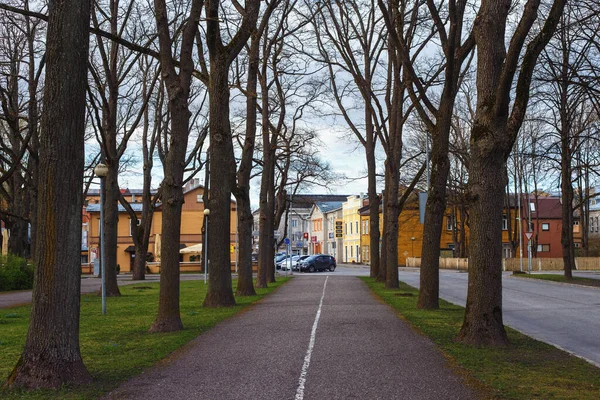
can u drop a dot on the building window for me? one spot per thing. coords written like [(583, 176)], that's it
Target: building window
[(575, 223), (294, 222), (532, 207), (199, 198), (351, 232), (357, 232), (545, 227), (577, 245), (504, 222), (543, 248)]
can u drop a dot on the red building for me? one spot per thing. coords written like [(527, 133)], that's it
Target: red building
[(542, 216)]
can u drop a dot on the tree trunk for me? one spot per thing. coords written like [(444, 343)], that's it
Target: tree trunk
[(168, 318), (483, 324), (391, 223), (222, 181), (18, 239), (267, 199), (566, 237), (111, 218), (374, 203), (434, 216), (245, 287), (139, 264), (383, 254), (51, 357)]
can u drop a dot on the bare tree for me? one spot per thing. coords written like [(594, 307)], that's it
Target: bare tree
[(222, 159), (51, 357), (177, 83), (245, 287), (351, 42), (117, 114), (568, 77), (19, 137), (494, 132)]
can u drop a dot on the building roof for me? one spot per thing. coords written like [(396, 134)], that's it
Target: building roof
[(137, 207), (545, 207), (329, 206), (307, 200)]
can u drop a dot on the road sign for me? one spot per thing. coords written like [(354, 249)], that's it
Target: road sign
[(339, 228), (287, 241), (529, 235)]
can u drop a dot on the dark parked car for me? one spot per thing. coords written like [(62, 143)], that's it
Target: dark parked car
[(318, 262), (296, 264)]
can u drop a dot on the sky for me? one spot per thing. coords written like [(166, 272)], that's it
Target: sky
[(344, 157)]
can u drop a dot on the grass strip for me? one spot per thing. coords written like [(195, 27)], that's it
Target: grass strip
[(561, 278), (527, 369), (117, 346)]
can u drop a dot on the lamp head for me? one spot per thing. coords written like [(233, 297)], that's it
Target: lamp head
[(101, 170), (206, 212)]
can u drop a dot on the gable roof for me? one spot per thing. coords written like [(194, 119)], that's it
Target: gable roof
[(137, 207), (307, 200), (329, 206)]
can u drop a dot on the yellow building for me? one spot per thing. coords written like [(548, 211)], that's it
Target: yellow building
[(352, 227), (192, 219)]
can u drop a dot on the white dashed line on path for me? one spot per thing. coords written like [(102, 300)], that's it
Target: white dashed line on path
[(311, 344)]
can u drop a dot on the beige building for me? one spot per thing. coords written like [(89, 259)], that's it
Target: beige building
[(351, 217)]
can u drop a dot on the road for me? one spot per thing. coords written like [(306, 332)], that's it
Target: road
[(320, 336), (566, 316)]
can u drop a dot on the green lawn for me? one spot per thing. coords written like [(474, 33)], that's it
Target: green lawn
[(118, 346), (527, 369), (561, 278)]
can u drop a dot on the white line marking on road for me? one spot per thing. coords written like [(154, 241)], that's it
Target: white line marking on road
[(311, 344)]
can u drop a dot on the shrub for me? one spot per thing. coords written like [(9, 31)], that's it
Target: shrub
[(15, 273)]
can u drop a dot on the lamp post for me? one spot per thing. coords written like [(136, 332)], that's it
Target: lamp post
[(412, 254), (101, 171), (206, 214)]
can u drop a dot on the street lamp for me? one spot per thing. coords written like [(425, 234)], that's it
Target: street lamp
[(206, 214), (101, 171), (413, 247)]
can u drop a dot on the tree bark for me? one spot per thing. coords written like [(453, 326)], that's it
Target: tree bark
[(434, 212), (245, 285), (111, 218), (177, 83), (51, 357), (493, 134), (566, 237), (483, 324), (374, 202), (220, 291), (168, 318)]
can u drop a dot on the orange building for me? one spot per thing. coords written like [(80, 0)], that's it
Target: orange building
[(192, 219)]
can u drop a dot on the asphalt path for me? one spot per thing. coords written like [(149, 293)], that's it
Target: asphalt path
[(317, 337), (566, 316)]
